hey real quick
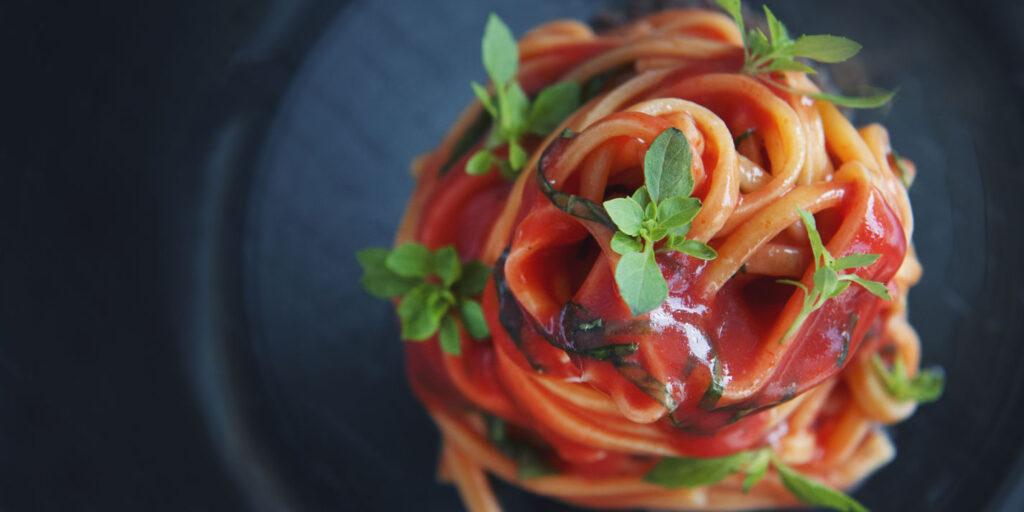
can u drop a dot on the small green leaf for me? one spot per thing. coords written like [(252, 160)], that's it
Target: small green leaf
[(873, 101), (514, 106), (641, 197), (667, 166), (927, 386), (472, 316), (902, 169), (516, 155), (775, 27), (485, 98), (410, 260), (825, 48), (735, 10), (446, 265), (449, 336), (624, 244), (552, 106), (474, 277), (677, 211), (640, 282), (798, 284), (480, 163), (758, 42), (817, 247), (813, 492), (500, 53), (787, 64), (855, 260), (698, 249), (878, 289), (676, 472), (626, 214), (420, 312), (756, 468), (379, 280)]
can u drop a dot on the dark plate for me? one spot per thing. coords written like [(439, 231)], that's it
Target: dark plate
[(301, 373)]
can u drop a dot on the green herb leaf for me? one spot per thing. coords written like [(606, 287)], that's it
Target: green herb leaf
[(420, 311), (927, 386), (874, 287), (485, 98), (825, 48), (640, 282), (676, 472), (756, 468), (677, 211), (873, 101), (626, 214), (500, 53), (785, 64), (474, 277), (410, 260), (553, 104), (378, 279), (472, 316), (514, 106), (902, 169), (812, 492), (856, 260), (698, 249), (623, 243), (775, 27), (516, 155), (449, 336), (735, 10), (641, 197), (447, 266), (481, 162), (667, 164)]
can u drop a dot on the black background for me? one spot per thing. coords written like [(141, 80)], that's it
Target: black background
[(108, 119)]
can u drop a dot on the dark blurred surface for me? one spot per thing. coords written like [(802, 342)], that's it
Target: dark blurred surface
[(181, 329)]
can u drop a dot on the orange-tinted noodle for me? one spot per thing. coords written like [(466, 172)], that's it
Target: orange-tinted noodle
[(710, 376)]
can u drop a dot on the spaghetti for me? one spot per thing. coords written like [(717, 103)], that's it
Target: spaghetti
[(708, 374)]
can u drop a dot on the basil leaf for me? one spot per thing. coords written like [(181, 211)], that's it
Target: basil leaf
[(813, 492), (474, 278), (446, 265), (817, 247), (735, 10), (420, 312), (787, 64), (855, 260), (756, 468), (873, 101), (480, 163), (876, 288), (677, 211), (516, 155), (758, 42), (500, 53), (377, 279), (825, 48), (449, 336), (623, 243), (676, 472), (572, 204), (514, 106), (552, 106), (472, 316), (640, 282), (776, 29), (485, 98), (410, 260), (626, 214), (667, 166), (698, 249), (927, 386), (641, 197)]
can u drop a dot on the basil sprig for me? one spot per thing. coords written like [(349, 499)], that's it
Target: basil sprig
[(827, 282), (435, 288), (677, 472), (779, 53), (927, 386), (662, 209), (513, 113)]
